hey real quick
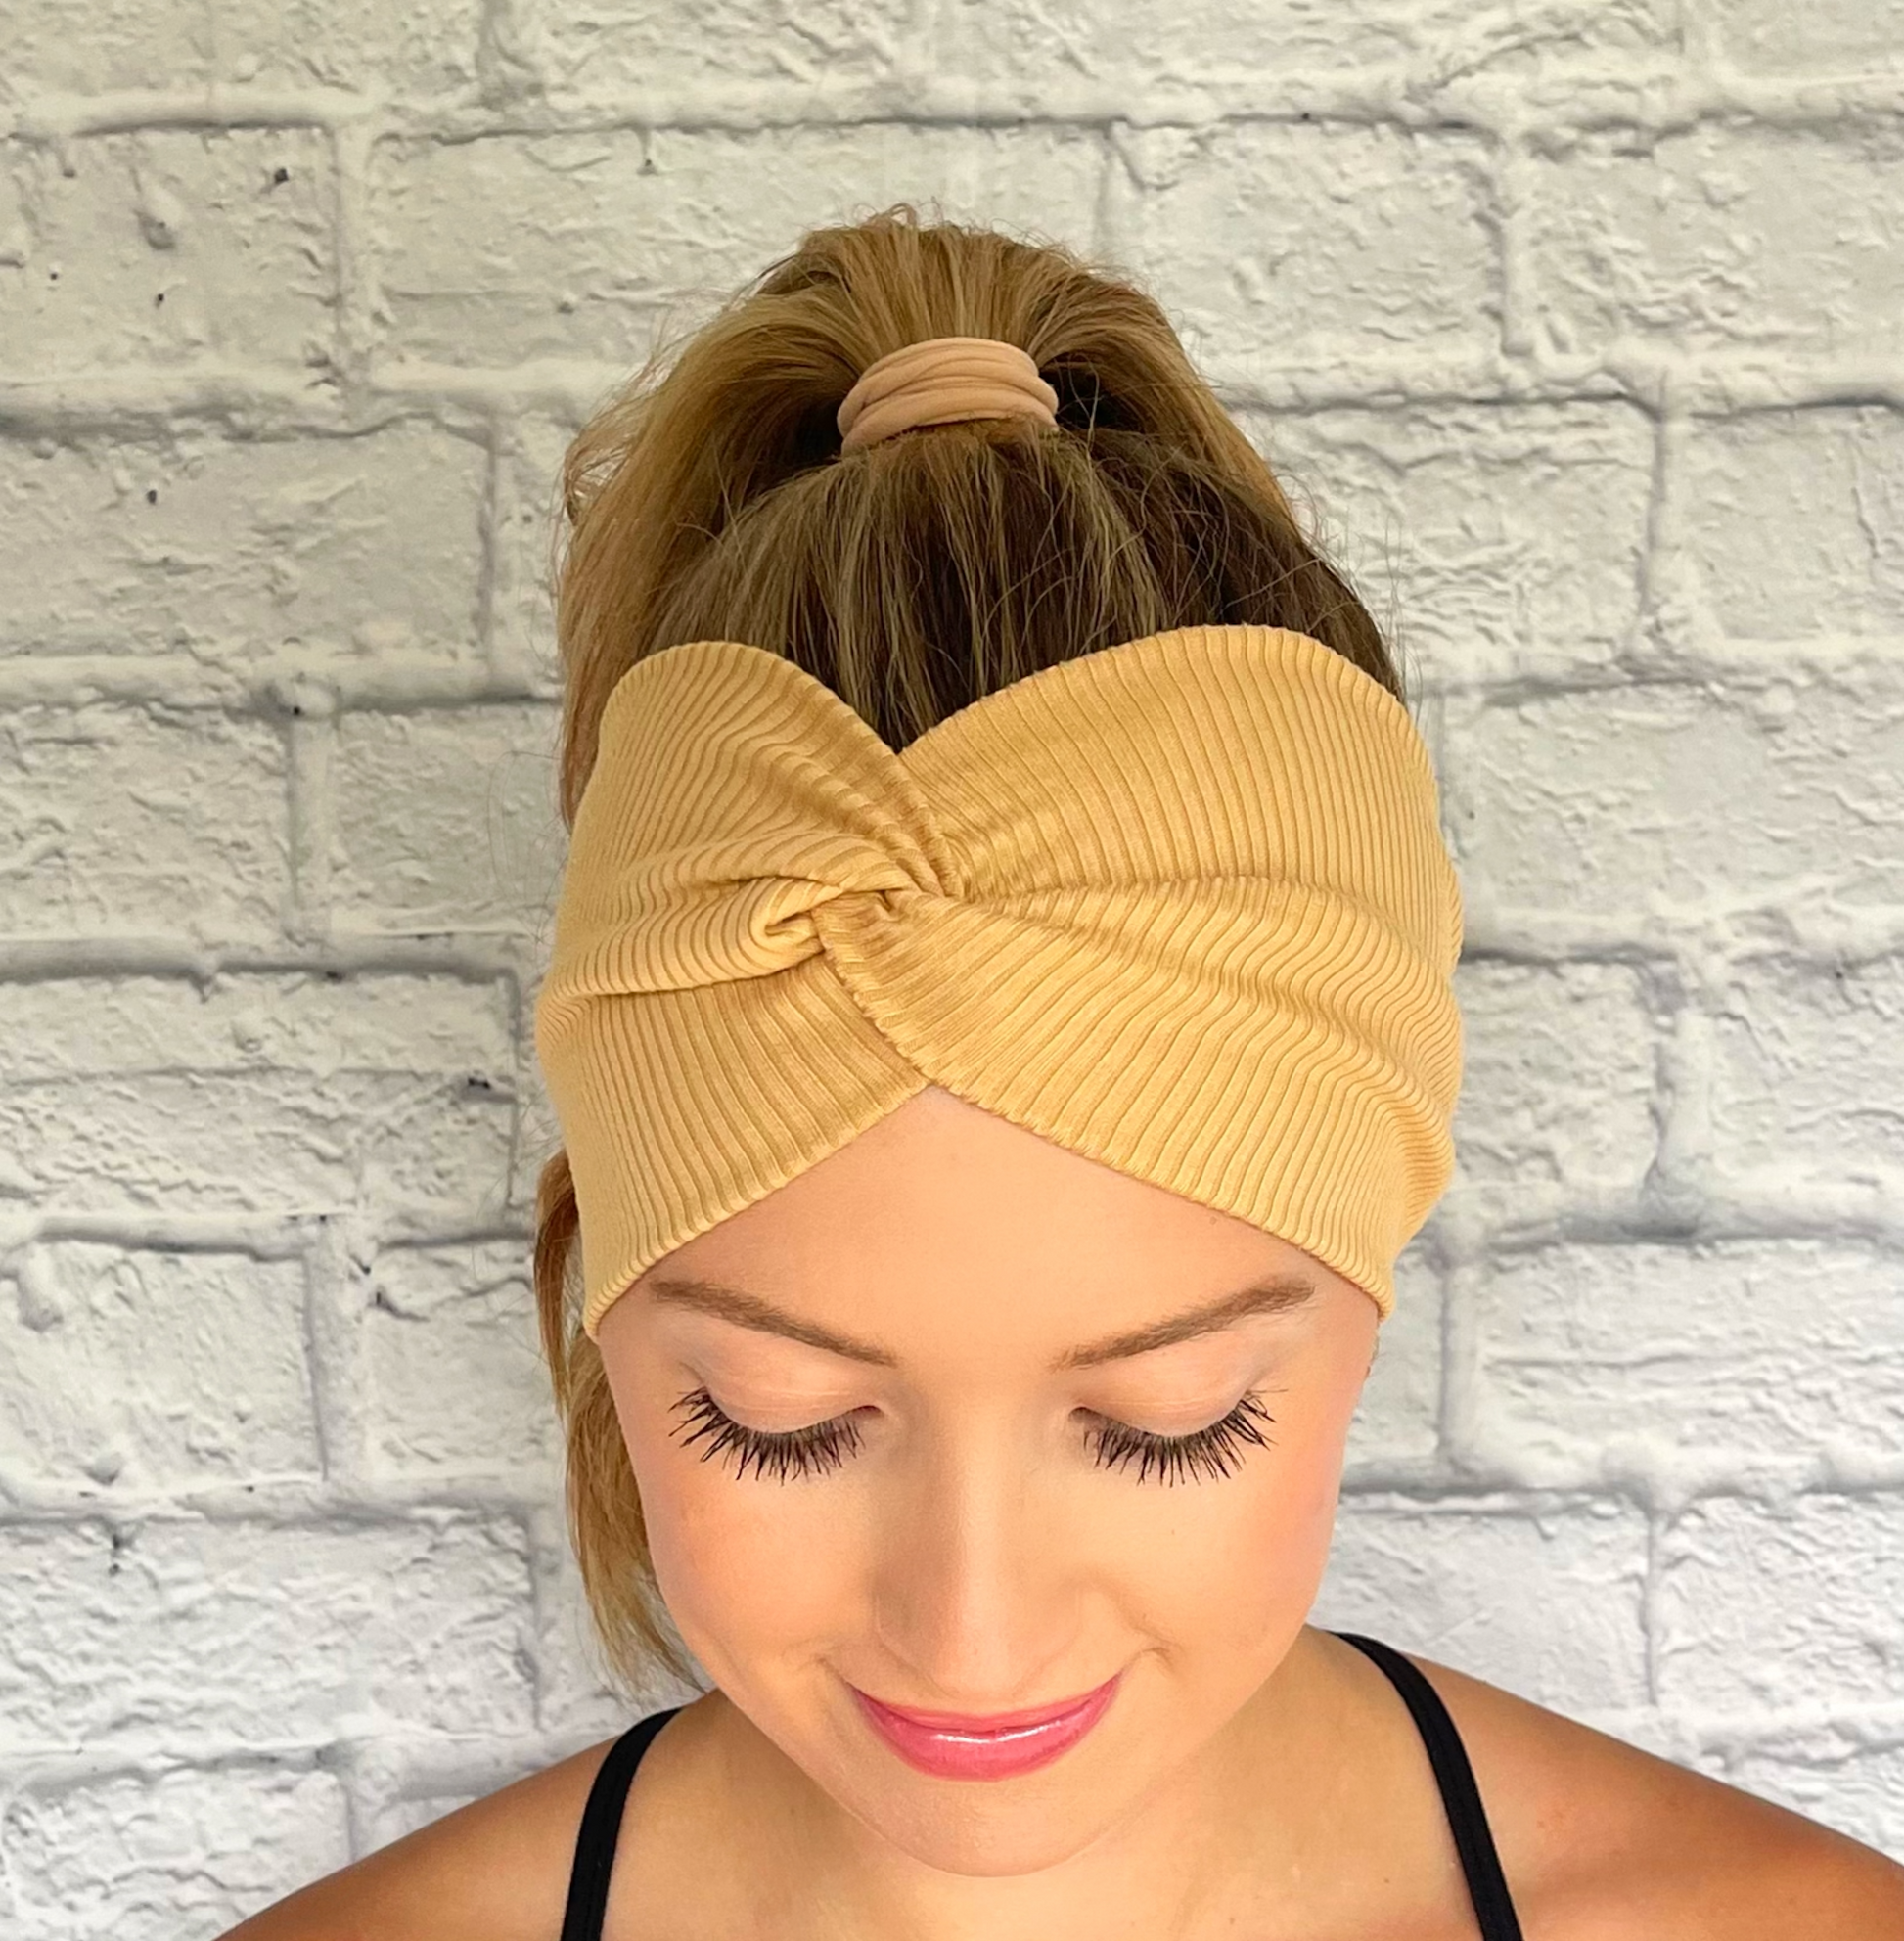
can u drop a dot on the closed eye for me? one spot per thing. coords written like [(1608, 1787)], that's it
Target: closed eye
[(825, 1446)]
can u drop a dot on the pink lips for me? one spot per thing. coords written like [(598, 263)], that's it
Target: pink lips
[(996, 1747)]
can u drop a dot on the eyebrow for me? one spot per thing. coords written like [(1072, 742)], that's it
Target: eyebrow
[(1276, 1295)]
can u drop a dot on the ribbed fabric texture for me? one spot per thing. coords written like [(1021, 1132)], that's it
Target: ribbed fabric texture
[(939, 380), (1181, 905)]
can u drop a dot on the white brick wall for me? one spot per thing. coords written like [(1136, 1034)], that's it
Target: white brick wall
[(1575, 321)]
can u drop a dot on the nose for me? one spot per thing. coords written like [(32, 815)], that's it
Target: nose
[(978, 1596)]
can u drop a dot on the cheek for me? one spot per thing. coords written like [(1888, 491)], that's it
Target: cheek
[(744, 1564), (1247, 1556)]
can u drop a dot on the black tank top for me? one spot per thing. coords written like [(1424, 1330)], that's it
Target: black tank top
[(1487, 1887)]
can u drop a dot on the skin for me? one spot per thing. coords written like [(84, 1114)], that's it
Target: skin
[(1254, 1777), (973, 1555)]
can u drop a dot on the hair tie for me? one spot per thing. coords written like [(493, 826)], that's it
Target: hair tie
[(939, 380)]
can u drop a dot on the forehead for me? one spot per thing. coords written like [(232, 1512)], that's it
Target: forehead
[(946, 1230)]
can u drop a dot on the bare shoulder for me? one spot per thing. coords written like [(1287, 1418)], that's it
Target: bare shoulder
[(496, 1870), (1600, 1839)]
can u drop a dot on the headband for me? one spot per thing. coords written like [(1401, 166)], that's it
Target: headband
[(1180, 905)]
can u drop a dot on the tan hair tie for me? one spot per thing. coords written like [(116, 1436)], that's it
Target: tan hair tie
[(939, 380)]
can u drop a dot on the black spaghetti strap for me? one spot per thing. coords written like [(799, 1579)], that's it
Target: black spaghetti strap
[(1461, 1797), (601, 1827)]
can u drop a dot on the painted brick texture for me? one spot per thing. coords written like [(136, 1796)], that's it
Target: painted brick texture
[(1573, 323)]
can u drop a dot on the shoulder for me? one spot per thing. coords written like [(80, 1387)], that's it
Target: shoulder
[(496, 1870), (1600, 1839)]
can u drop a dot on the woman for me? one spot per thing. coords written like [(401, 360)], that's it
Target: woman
[(1001, 1023)]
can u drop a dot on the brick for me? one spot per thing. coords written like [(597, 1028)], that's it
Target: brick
[(756, 43), (447, 819), (1617, 807), (1546, 1604), (1558, 1076), (321, 549), (1795, 521), (1834, 37), (1808, 1066), (1493, 541), (418, 50), (1399, 1417), (1727, 1352), (133, 1370), (1309, 244), (1762, 1607), (76, 46), (177, 1851), (581, 245), (526, 515), (1756, 239), (1023, 46), (172, 247), (445, 1323), (121, 820), (267, 1091), (92, 46), (266, 1633)]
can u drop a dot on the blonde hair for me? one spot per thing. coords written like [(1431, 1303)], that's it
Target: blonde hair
[(709, 499)]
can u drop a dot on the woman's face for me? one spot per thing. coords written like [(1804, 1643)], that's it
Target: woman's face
[(976, 1534)]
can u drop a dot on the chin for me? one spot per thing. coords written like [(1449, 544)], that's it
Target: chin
[(989, 1830)]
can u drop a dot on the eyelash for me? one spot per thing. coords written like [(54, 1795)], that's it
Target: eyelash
[(826, 1445)]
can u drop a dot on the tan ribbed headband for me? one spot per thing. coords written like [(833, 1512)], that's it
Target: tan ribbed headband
[(939, 381), (1180, 905)]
